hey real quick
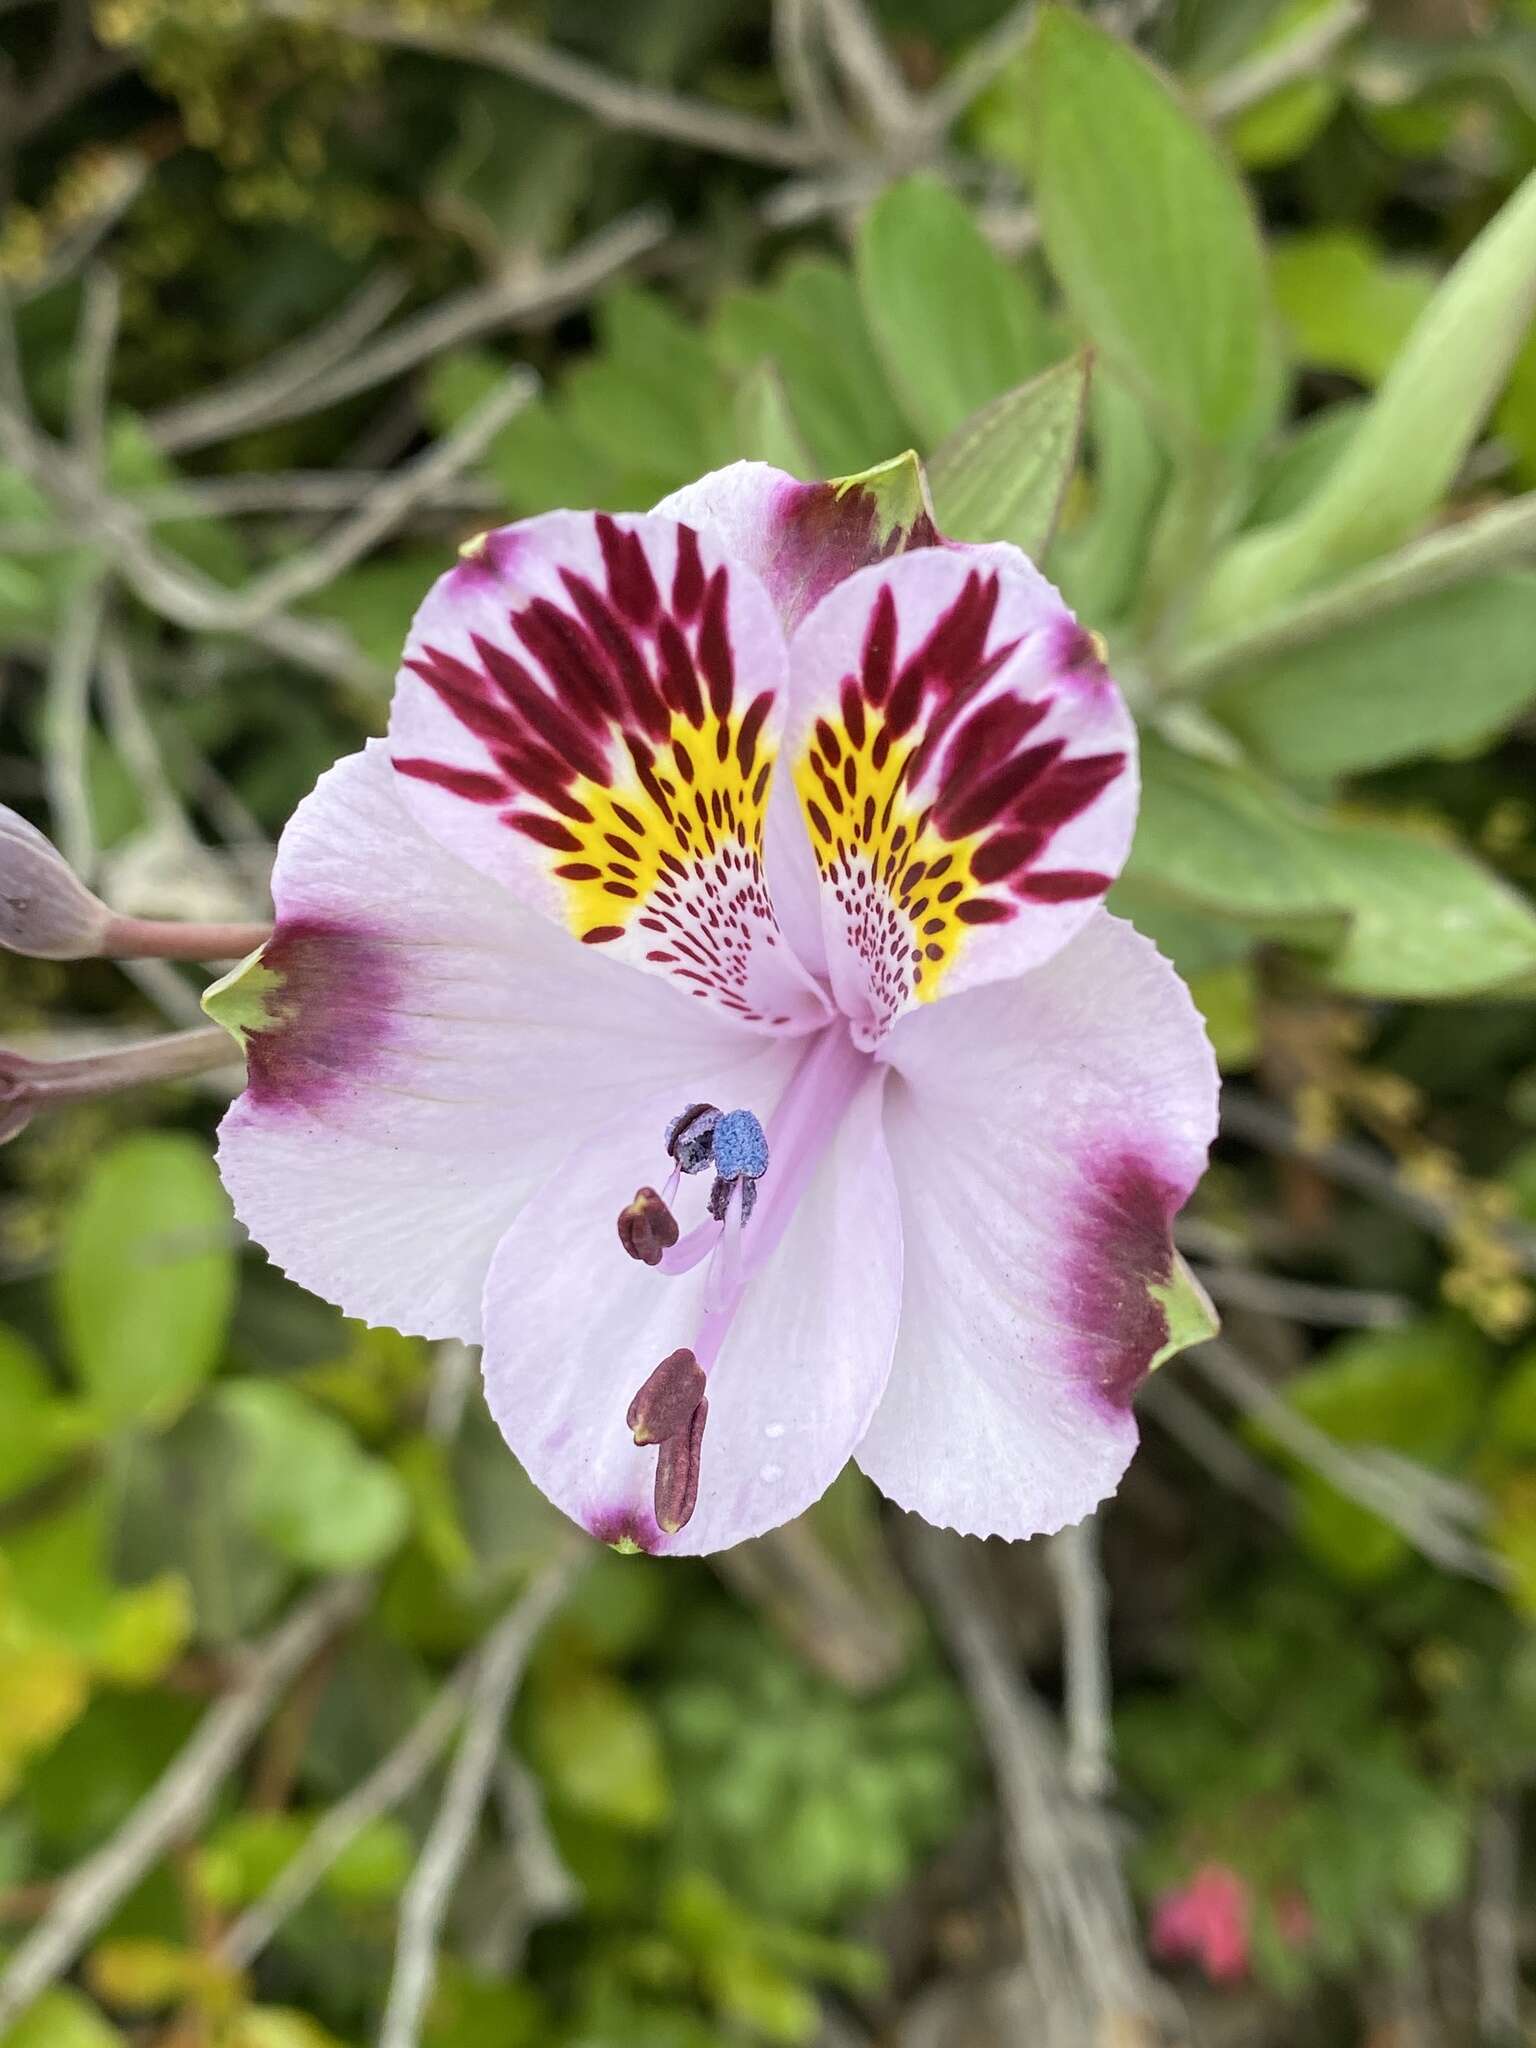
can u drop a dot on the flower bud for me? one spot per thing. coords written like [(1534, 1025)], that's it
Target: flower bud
[(45, 908)]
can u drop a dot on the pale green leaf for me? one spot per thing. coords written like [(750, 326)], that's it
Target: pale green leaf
[(1414, 436), (146, 1280), (1004, 474), (954, 324), (1380, 692), (1151, 234), (764, 426), (305, 1485), (1426, 919)]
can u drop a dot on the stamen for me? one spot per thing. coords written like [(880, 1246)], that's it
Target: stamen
[(647, 1227), (690, 1137), (677, 1473), (741, 1158), (664, 1406)]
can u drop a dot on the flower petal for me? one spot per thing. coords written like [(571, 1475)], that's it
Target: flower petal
[(1044, 1132), (588, 711), (573, 1329), (967, 771), (431, 1050), (802, 540)]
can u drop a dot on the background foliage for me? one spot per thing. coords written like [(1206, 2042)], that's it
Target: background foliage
[(1225, 308)]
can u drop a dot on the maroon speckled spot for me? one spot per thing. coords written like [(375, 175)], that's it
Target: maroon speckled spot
[(1122, 1245), (329, 1016)]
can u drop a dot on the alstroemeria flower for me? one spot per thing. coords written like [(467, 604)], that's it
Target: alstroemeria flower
[(703, 1000)]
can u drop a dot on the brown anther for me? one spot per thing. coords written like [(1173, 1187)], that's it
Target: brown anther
[(677, 1474), (664, 1406), (647, 1227)]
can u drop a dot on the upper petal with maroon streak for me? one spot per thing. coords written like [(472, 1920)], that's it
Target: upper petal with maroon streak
[(588, 710), (967, 771), (800, 539)]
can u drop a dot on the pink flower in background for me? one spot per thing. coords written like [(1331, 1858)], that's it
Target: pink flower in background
[(733, 875), (1205, 1921)]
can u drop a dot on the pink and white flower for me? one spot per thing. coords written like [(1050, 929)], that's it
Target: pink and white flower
[(734, 872)]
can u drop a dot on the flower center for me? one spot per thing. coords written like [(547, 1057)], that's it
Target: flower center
[(739, 1236)]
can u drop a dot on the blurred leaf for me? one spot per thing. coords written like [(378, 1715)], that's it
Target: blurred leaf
[(1378, 692), (62, 2019), (146, 1280), (955, 326), (597, 1749), (1097, 559), (471, 2011), (305, 1486), (764, 427), (1427, 920), (1218, 839), (810, 325), (41, 1431), (1413, 438), (1292, 468), (1003, 474), (1348, 307), (242, 1856), (1419, 1390), (138, 1974), (1227, 998), (277, 2026), (1514, 1408), (1151, 234)]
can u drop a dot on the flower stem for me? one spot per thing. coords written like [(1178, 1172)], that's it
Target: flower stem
[(28, 1086), (149, 938)]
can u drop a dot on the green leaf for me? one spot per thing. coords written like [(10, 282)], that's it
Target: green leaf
[(1427, 920), (599, 1751), (1514, 1408), (1098, 560), (1190, 1312), (1004, 474), (1348, 307), (764, 427), (1414, 436), (1216, 838), (1419, 1390), (954, 325), (40, 1429), (146, 1280), (61, 2019), (1151, 234), (810, 325), (304, 1484), (1379, 692)]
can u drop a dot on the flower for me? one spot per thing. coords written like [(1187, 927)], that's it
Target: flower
[(703, 999), (1205, 1921)]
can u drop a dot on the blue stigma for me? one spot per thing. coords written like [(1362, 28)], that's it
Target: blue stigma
[(741, 1150)]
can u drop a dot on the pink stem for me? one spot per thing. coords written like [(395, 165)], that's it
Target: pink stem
[(151, 938), (27, 1086)]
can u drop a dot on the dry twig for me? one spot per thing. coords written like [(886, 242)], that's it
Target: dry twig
[(425, 1904)]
